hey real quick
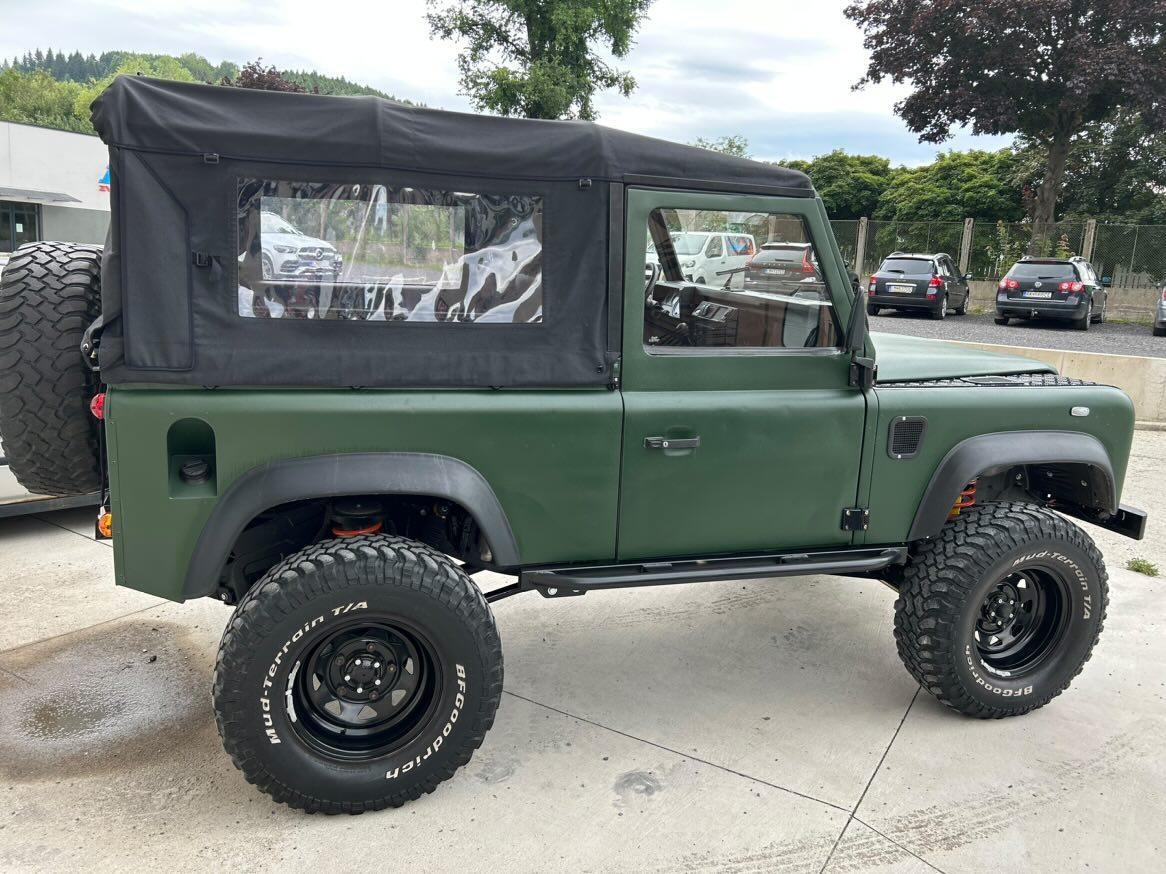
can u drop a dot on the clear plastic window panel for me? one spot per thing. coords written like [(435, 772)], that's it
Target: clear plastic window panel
[(734, 279), (323, 251)]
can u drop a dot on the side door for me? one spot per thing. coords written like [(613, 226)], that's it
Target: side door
[(956, 281), (741, 432)]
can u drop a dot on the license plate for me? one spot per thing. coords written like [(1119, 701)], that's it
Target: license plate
[(901, 289), (774, 272), (1043, 295), (309, 264)]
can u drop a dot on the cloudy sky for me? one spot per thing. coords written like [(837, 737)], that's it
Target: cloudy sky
[(778, 72)]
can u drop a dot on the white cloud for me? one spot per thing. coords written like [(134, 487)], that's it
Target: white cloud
[(779, 73)]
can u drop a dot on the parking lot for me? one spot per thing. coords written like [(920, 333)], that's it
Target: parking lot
[(741, 726), (1112, 338)]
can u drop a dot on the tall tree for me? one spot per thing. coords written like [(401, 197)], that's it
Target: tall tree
[(539, 58), (1045, 69), (957, 185)]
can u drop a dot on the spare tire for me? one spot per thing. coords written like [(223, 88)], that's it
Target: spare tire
[(49, 294)]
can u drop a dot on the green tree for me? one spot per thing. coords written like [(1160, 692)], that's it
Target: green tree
[(730, 144), (1116, 171), (1046, 69), (850, 185), (37, 98), (539, 58), (957, 185)]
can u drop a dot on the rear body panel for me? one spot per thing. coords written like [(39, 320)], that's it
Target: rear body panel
[(551, 457)]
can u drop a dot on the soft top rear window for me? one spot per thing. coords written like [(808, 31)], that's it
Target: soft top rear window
[(322, 251), (1043, 270), (908, 266)]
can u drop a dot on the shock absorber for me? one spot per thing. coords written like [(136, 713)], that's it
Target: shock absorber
[(966, 500)]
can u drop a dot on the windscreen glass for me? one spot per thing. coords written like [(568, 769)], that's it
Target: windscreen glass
[(311, 250)]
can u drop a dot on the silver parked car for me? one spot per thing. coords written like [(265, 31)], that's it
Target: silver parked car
[(1160, 314)]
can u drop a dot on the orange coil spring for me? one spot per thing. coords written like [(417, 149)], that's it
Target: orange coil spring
[(356, 532), (966, 499)]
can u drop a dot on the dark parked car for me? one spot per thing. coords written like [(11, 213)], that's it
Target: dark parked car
[(1052, 288), (931, 283), (1160, 315), (782, 267)]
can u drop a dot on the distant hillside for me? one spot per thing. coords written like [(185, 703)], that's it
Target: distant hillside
[(83, 69), (52, 89)]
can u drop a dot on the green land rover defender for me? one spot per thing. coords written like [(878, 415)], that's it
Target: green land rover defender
[(339, 355)]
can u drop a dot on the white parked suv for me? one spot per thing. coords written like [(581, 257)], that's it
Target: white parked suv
[(710, 258), (290, 253)]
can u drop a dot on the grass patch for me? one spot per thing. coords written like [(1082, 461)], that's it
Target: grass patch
[(1142, 566)]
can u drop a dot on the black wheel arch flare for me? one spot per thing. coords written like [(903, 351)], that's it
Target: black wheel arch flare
[(335, 475)]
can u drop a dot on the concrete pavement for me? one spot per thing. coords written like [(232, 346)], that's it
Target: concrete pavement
[(764, 725)]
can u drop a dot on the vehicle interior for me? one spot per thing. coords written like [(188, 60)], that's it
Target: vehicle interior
[(681, 313)]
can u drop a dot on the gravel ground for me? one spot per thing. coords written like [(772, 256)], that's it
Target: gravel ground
[(1109, 338)]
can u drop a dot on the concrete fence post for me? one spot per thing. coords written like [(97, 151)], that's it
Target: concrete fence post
[(966, 244), (860, 245), (1090, 239)]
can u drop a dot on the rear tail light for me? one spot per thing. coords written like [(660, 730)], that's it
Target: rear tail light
[(1009, 284), (807, 267), (933, 286), (1071, 286), (1164, 293), (97, 406)]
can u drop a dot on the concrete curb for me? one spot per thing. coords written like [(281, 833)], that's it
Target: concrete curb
[(1150, 426), (1142, 378)]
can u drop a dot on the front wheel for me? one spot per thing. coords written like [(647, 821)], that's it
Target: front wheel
[(999, 613), (357, 674)]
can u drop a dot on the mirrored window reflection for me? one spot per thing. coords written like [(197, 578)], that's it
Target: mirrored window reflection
[(373, 253), (731, 279)]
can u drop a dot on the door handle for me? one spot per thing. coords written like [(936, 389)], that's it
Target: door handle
[(671, 442)]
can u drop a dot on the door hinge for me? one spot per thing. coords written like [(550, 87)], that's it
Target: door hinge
[(855, 519)]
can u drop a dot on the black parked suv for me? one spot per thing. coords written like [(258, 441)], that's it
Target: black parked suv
[(1052, 288), (931, 283)]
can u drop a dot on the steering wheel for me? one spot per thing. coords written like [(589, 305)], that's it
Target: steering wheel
[(655, 272)]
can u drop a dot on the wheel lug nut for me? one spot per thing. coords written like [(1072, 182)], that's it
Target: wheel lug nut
[(374, 695), (343, 690), (339, 661), (348, 678), (377, 665), (370, 648), (359, 690), (376, 682)]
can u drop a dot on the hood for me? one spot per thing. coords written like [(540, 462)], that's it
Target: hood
[(300, 241), (904, 359)]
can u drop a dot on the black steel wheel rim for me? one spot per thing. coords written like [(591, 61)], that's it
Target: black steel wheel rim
[(1022, 620), (363, 690)]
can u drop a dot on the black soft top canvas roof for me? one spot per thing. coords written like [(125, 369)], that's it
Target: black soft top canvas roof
[(151, 114), (179, 262)]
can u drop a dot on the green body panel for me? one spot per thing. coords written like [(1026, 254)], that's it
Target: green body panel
[(955, 414), (552, 458), (903, 358)]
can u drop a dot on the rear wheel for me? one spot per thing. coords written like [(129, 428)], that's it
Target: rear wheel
[(357, 674), (49, 294), (1160, 332), (999, 613), (940, 312), (962, 309), (872, 310), (1083, 323), (1001, 320)]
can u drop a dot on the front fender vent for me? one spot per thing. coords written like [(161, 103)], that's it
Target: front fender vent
[(906, 436)]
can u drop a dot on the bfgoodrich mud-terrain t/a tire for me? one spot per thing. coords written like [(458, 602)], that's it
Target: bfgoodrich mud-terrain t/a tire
[(49, 294), (1000, 612), (357, 674)]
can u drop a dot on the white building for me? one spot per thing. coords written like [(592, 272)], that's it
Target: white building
[(54, 185)]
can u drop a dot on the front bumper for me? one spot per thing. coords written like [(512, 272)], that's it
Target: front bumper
[(1026, 308)]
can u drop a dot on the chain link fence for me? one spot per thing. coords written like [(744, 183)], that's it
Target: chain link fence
[(1134, 256)]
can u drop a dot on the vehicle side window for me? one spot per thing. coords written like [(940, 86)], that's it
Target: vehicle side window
[(774, 298), (320, 251), (715, 250)]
